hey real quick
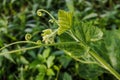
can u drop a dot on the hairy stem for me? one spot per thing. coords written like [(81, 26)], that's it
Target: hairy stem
[(34, 47), (105, 64), (22, 49), (77, 59), (18, 42)]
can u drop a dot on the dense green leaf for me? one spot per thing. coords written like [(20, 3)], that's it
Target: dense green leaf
[(19, 17), (64, 60), (42, 70), (90, 71), (40, 76), (50, 61), (23, 60), (64, 21), (65, 37), (112, 42), (8, 56), (33, 64), (92, 15), (50, 72), (41, 58), (87, 32), (72, 46), (46, 52), (70, 5), (67, 76)]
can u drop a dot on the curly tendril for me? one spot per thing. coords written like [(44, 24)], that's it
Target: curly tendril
[(28, 37), (39, 13)]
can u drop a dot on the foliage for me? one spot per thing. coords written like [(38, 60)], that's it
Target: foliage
[(81, 42)]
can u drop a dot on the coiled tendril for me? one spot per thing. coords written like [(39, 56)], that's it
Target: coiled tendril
[(39, 13), (28, 37)]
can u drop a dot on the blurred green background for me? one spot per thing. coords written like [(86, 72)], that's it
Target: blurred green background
[(18, 17)]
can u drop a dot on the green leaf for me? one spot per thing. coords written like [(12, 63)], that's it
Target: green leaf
[(67, 76), (41, 58), (87, 32), (46, 32), (64, 21), (109, 48), (112, 44), (74, 48), (23, 60), (7, 56), (91, 15), (49, 3), (71, 45), (42, 70), (40, 76), (34, 64), (56, 68), (50, 61), (70, 5), (64, 60), (46, 52), (65, 37), (90, 71), (50, 72)]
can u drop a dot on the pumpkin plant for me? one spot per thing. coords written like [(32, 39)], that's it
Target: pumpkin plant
[(82, 41)]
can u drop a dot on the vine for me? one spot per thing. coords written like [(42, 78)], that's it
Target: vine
[(65, 28)]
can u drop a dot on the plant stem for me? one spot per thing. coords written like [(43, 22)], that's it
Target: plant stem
[(18, 42), (77, 59), (22, 49), (105, 64), (34, 47)]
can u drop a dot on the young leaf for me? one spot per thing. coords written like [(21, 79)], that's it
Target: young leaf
[(41, 58), (42, 70), (46, 52), (23, 60), (40, 76), (64, 21), (33, 64), (50, 72), (70, 5), (50, 61), (67, 76), (89, 16)]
